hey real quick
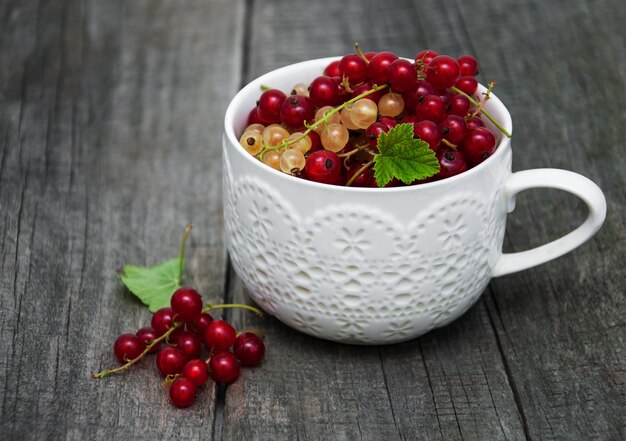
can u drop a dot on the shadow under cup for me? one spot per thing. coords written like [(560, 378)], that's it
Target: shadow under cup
[(361, 265)]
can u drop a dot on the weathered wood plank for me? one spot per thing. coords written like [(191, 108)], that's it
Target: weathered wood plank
[(111, 117), (561, 325), (450, 384)]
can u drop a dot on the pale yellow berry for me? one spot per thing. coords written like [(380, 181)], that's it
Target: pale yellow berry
[(391, 104), (302, 145), (364, 113), (300, 89), (346, 119), (252, 142), (258, 128), (292, 161), (334, 118), (272, 158), (274, 134), (335, 137)]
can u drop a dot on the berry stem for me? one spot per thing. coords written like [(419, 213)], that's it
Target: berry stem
[(483, 111), (358, 172), (360, 52), (125, 367), (265, 87), (324, 119), (449, 144), (234, 305), (181, 257)]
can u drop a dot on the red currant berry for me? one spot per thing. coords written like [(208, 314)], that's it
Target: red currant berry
[(467, 85), (443, 72), (190, 344), (269, 105), (296, 110), (219, 335), (431, 108), (324, 91), (255, 118), (402, 75), (323, 166), (170, 360), (249, 349), (162, 320), (453, 129), (370, 55), (127, 347), (458, 105), (412, 96), (196, 371), (223, 367), (378, 69), (425, 56), (364, 87), (316, 142), (478, 145), (389, 121), (451, 162), (373, 131), (182, 392), (364, 179), (186, 304), (474, 122), (147, 335), (468, 64), (198, 326), (428, 132), (353, 67), (332, 70)]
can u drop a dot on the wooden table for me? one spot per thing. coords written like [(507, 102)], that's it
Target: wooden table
[(110, 136)]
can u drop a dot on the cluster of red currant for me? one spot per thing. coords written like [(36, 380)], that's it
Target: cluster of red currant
[(328, 130), (183, 327)]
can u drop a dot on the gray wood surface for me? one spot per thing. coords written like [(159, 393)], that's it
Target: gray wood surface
[(110, 126)]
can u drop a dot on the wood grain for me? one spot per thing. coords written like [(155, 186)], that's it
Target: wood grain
[(111, 125)]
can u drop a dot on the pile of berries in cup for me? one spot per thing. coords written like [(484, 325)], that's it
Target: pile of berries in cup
[(183, 328), (327, 130)]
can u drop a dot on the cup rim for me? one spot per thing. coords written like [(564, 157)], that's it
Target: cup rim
[(236, 102)]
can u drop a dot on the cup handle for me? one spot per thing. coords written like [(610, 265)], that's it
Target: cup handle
[(564, 180)]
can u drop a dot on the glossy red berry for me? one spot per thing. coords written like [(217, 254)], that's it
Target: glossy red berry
[(162, 320), (428, 132), (353, 68), (458, 105), (389, 121), (373, 131), (316, 142), (249, 349), (219, 335), (182, 392), (332, 70), (431, 108), (296, 110), (402, 75), (323, 166), (412, 96), (170, 360), (198, 326), (186, 304), (255, 118), (453, 129), (147, 335), (127, 347), (324, 91), (196, 371), (451, 163), (269, 105), (474, 122), (478, 145), (223, 367), (364, 87), (378, 69), (467, 85), (425, 56), (443, 72), (468, 64), (190, 344)]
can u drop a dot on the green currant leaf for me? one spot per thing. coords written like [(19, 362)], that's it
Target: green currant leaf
[(402, 157), (153, 285)]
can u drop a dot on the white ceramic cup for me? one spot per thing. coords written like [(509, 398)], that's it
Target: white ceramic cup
[(370, 265)]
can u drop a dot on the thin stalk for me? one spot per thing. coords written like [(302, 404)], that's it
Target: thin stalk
[(358, 172), (181, 256), (483, 111)]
